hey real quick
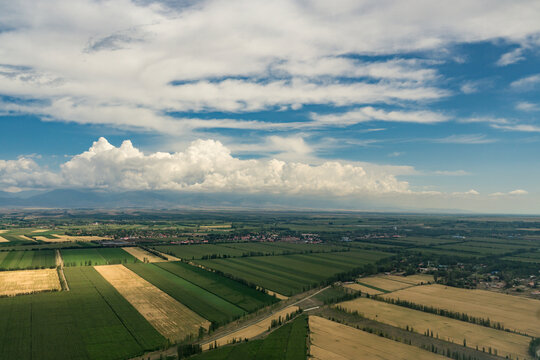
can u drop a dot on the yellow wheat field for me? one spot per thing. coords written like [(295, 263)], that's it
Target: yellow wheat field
[(67, 238), (252, 330), (171, 318), (3, 239), (447, 329), (142, 254), (330, 340), (515, 313), (363, 289), (28, 281), (382, 283), (411, 279)]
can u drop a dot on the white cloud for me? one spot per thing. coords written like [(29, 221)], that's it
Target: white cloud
[(516, 192), (121, 56), (527, 106), (25, 173), (526, 83), (369, 113), (511, 57), (471, 192), (518, 127), (465, 139), (207, 165)]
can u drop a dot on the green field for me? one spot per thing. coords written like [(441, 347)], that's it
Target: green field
[(290, 274), (191, 252), (201, 301), (91, 321), (242, 249), (288, 342), (234, 292), (20, 260), (96, 256)]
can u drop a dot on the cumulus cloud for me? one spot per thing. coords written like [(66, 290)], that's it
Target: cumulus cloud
[(25, 173), (207, 165)]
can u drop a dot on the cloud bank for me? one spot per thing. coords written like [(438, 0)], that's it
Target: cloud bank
[(205, 166)]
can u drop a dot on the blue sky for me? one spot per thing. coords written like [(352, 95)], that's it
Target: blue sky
[(412, 105)]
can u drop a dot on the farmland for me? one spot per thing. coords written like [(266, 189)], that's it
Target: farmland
[(286, 343), (253, 330), (330, 340), (28, 281), (142, 255), (233, 262), (91, 321), (456, 331), (289, 274), (172, 319), (97, 256), (234, 292), (381, 283), (18, 260), (199, 300), (514, 313)]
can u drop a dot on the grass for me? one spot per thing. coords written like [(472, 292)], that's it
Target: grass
[(96, 256), (199, 300), (92, 321), (234, 292), (290, 274), (286, 343), (21, 260)]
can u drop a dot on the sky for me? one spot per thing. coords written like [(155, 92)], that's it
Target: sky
[(413, 105)]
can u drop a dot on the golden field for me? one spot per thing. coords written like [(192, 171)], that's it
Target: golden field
[(515, 313), (447, 329), (363, 289), (171, 318), (28, 281), (333, 341), (382, 283), (142, 254)]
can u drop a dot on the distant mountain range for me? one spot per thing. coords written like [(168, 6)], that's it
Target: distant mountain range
[(74, 199), (94, 199)]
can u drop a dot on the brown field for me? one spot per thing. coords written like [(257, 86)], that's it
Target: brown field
[(382, 283), (447, 329), (28, 281), (411, 279), (3, 239), (67, 238), (143, 254), (363, 289), (251, 331), (169, 257), (171, 318), (330, 340), (515, 313)]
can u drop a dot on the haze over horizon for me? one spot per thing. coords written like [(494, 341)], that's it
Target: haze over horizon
[(404, 105)]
